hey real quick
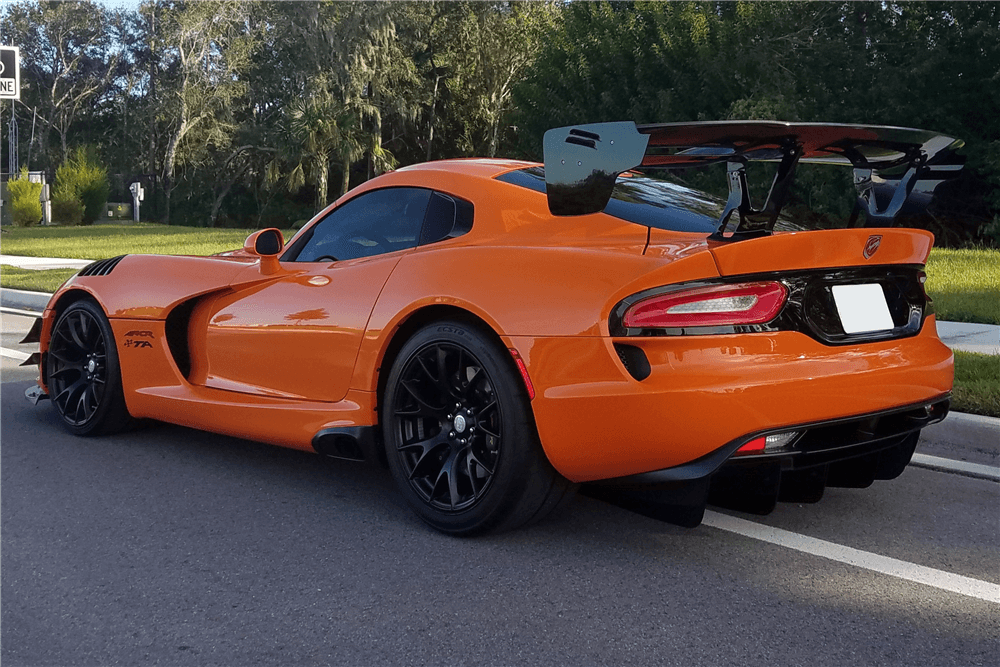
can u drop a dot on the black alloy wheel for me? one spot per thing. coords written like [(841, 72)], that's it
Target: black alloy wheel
[(82, 372), (450, 426), (460, 437)]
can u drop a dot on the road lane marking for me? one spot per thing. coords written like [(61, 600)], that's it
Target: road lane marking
[(955, 583), (962, 467), (13, 354)]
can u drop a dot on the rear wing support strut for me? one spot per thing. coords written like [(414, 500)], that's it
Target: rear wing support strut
[(761, 222)]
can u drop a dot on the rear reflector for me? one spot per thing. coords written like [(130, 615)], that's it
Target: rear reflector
[(524, 373), (770, 444), (719, 305)]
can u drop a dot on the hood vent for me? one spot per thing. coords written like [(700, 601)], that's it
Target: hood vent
[(101, 267)]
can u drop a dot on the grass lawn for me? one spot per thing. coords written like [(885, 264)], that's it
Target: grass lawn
[(965, 284), (977, 384), (48, 280), (103, 241)]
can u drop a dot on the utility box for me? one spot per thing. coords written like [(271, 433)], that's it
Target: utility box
[(118, 211)]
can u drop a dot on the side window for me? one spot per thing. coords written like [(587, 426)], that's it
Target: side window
[(447, 217), (371, 224)]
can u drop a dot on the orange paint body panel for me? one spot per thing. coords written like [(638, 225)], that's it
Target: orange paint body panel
[(279, 357), (821, 249), (597, 422)]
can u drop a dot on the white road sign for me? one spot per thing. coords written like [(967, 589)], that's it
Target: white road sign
[(10, 73)]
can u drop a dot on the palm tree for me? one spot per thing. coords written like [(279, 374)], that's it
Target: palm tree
[(324, 128)]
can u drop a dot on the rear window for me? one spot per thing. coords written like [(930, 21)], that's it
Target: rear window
[(646, 201)]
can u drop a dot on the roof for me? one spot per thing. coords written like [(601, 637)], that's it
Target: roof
[(481, 167)]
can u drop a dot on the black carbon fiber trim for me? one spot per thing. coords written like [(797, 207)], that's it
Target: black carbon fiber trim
[(101, 267)]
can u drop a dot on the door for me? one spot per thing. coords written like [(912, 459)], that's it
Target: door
[(298, 336)]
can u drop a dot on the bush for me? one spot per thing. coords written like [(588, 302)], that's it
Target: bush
[(66, 210), (24, 205), (84, 180)]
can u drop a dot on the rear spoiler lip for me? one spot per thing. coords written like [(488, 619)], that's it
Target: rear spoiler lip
[(890, 163)]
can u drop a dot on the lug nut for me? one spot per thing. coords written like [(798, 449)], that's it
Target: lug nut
[(451, 435)]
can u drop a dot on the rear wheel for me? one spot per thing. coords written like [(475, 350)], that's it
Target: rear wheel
[(460, 437), (84, 377)]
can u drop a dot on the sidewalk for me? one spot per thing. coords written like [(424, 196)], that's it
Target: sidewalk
[(42, 263)]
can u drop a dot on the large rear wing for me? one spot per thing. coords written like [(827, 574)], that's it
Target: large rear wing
[(891, 164)]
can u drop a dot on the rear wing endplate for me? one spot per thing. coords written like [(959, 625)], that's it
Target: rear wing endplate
[(892, 165)]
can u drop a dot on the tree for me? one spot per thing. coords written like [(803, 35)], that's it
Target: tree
[(341, 51), (205, 50), (70, 52)]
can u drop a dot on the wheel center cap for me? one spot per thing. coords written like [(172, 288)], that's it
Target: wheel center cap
[(459, 424), (92, 366)]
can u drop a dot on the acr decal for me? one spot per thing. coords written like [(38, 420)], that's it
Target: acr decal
[(140, 334), (871, 246)]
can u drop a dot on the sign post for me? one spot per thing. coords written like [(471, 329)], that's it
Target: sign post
[(46, 201), (10, 73), (10, 89), (137, 195)]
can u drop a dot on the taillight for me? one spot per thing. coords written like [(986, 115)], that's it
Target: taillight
[(718, 305), (771, 444)]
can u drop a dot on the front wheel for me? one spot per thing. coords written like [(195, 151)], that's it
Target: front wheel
[(82, 370), (460, 437)]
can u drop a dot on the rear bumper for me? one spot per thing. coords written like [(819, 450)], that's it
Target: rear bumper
[(705, 396), (818, 444)]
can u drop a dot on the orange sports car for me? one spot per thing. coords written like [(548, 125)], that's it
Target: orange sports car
[(498, 332)]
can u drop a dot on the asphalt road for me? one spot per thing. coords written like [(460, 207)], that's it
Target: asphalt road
[(175, 547)]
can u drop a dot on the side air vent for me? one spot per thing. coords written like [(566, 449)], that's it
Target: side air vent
[(101, 267), (634, 360)]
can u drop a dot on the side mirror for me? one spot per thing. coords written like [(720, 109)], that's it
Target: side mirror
[(266, 244)]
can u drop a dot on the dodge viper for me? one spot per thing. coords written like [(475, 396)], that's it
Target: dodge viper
[(499, 332)]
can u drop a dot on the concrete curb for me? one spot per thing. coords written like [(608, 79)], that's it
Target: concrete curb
[(976, 470), (963, 437), (24, 300)]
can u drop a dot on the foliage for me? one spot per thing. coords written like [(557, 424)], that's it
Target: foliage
[(234, 112), (81, 189), (925, 65), (23, 195), (70, 53), (977, 384), (67, 208)]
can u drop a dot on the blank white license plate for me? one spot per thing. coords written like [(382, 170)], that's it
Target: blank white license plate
[(862, 308)]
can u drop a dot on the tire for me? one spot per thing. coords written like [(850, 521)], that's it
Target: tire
[(460, 435), (84, 377)]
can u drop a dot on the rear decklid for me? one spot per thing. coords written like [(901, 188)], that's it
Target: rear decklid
[(821, 249)]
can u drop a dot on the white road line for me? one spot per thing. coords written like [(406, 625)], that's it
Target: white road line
[(961, 467), (956, 583), (13, 354)]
